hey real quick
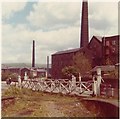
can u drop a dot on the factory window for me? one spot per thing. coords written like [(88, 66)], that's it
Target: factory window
[(107, 52), (113, 50), (107, 43), (113, 42)]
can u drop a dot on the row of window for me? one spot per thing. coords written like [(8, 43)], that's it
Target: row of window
[(108, 51), (107, 43)]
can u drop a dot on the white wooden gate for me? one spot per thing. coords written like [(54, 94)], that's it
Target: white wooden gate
[(64, 86)]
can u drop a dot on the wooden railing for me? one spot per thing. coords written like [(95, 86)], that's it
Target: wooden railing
[(59, 86)]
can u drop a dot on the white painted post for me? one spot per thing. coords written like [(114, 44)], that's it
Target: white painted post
[(60, 87), (95, 85), (73, 81), (25, 76), (19, 81), (80, 83), (112, 92), (46, 75), (70, 86), (99, 78)]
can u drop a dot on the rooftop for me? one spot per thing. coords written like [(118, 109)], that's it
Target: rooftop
[(99, 38), (104, 68), (68, 51)]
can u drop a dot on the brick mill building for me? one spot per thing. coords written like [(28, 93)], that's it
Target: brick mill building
[(100, 50)]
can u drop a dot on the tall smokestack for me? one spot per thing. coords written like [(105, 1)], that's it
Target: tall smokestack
[(33, 54), (47, 66), (84, 25)]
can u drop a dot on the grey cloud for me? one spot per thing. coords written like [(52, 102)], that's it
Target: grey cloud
[(103, 17), (101, 24), (49, 16)]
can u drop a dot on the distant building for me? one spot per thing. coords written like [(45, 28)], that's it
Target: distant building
[(19, 71), (41, 72), (38, 72)]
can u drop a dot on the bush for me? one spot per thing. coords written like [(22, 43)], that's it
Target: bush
[(14, 77), (69, 71), (17, 92), (7, 75)]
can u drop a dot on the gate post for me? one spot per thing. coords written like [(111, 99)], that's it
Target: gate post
[(73, 81), (80, 83), (19, 81), (98, 80), (70, 86), (94, 85), (25, 76), (59, 88)]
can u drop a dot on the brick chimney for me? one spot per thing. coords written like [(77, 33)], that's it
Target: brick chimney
[(84, 25), (47, 66), (33, 55)]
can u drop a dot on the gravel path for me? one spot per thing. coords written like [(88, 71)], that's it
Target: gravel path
[(51, 109)]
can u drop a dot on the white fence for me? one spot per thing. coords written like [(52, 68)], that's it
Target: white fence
[(59, 86)]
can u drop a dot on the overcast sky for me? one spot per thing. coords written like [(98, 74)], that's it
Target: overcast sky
[(54, 26)]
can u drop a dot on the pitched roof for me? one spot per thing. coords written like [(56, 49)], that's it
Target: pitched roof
[(41, 70), (115, 36), (104, 68), (99, 38), (67, 51)]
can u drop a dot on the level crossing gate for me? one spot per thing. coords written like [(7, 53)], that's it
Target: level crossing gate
[(64, 86)]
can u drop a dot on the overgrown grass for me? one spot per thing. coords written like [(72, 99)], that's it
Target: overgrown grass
[(13, 91), (25, 101), (30, 103)]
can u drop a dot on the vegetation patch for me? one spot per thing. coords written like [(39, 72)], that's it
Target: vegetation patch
[(30, 103)]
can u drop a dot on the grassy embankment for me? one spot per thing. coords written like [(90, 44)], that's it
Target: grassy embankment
[(29, 103)]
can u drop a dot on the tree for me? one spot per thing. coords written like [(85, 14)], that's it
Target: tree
[(13, 76), (8, 74), (69, 71), (81, 63)]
